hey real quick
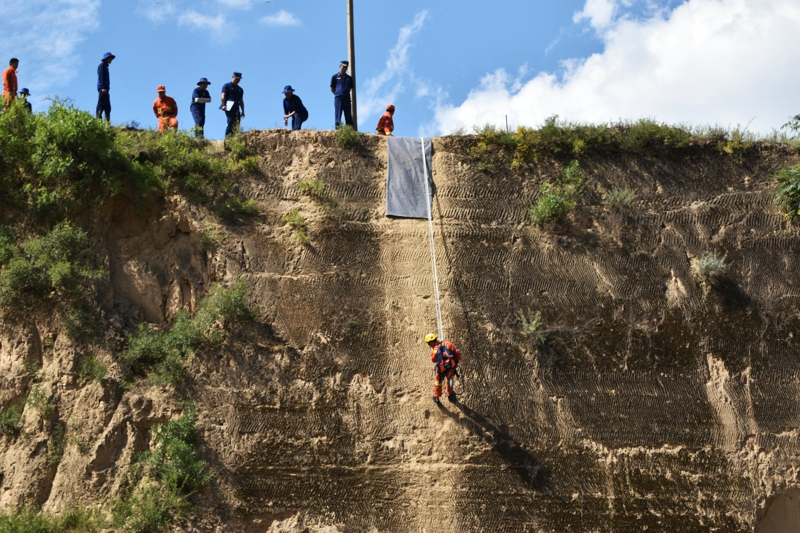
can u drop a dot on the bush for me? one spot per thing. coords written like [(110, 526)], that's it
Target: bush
[(298, 223), (55, 445), (533, 326), (557, 201), (788, 196), (314, 188), (163, 477), (618, 197), (92, 368), (162, 353), (10, 420), (709, 265), (233, 207), (346, 136), (38, 400), (70, 520), (48, 269)]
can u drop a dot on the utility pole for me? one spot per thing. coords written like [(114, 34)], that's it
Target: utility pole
[(351, 57)]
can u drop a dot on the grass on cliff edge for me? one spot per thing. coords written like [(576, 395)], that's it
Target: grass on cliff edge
[(56, 163), (562, 138), (161, 353)]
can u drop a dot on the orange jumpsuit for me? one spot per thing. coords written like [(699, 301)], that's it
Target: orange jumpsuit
[(448, 377), (385, 124), (166, 109), (10, 84)]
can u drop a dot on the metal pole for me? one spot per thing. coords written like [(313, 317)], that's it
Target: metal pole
[(351, 57)]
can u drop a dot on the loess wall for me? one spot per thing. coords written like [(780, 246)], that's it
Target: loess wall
[(657, 402)]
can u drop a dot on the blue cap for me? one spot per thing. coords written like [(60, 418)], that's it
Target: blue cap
[(237, 75), (288, 89), (25, 91), (203, 80), (107, 55), (345, 63)]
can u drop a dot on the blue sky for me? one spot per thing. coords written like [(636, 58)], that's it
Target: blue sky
[(445, 64)]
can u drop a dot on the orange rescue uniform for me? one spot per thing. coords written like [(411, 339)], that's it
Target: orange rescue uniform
[(448, 377), (385, 124), (10, 84), (166, 109)]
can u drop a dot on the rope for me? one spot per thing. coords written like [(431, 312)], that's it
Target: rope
[(433, 248)]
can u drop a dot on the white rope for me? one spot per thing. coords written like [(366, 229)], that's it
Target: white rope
[(433, 248)]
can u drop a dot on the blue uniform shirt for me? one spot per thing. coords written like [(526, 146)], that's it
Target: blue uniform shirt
[(103, 78), (233, 93), (293, 104), (201, 93), (341, 84)]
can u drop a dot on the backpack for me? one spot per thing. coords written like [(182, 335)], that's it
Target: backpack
[(445, 361)]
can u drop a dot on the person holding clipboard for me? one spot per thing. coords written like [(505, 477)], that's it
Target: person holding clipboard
[(233, 103)]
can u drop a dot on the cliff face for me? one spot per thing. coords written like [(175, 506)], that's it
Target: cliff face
[(657, 402)]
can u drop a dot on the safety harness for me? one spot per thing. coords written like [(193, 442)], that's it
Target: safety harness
[(445, 361)]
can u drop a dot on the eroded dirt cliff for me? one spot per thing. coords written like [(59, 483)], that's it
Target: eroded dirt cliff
[(656, 403)]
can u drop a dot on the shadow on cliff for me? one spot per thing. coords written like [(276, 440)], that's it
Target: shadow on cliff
[(533, 474)]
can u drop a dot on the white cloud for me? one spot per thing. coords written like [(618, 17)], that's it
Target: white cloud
[(216, 23), (237, 4), (599, 12), (702, 62), (156, 12), (281, 18), (44, 35), (384, 88)]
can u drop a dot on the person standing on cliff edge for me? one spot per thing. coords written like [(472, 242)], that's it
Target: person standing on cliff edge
[(385, 123), (103, 86), (341, 84), (446, 357), (200, 97), (166, 110), (233, 103), (10, 81)]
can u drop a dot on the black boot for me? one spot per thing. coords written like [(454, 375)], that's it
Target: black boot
[(452, 397)]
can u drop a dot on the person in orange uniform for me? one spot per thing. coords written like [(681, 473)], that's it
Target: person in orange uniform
[(446, 357), (10, 87), (166, 109), (386, 124)]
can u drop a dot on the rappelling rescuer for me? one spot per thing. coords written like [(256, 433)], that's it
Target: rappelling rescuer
[(446, 358)]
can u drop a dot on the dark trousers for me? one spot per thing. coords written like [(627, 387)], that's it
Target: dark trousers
[(199, 116), (343, 104), (103, 105), (298, 119), (233, 121)]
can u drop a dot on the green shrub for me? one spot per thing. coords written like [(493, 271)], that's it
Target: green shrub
[(233, 207), (557, 201), (38, 399), (49, 269), (80, 324), (209, 236), (709, 265), (70, 520), (55, 445), (10, 420), (162, 478), (346, 136), (788, 196), (533, 325), (298, 223), (162, 352), (314, 188), (92, 368), (148, 509), (618, 197)]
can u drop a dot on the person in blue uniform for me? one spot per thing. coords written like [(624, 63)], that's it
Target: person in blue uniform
[(200, 97), (341, 84), (23, 95), (293, 107), (231, 92), (103, 86)]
